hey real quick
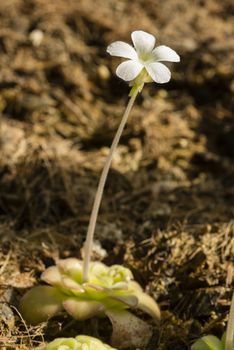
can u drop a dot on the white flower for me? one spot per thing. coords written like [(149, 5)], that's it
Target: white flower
[(144, 59)]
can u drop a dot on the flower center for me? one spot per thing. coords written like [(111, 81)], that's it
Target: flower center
[(145, 57)]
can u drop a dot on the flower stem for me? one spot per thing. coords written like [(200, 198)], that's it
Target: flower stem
[(99, 193), (230, 327)]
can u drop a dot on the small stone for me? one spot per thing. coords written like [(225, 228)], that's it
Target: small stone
[(183, 143), (103, 72), (36, 37)]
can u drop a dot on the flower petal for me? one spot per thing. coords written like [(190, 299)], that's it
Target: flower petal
[(143, 42), (158, 72), (129, 70), (165, 53), (122, 49)]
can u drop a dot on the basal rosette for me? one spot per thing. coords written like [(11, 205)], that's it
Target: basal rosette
[(109, 291), (80, 342)]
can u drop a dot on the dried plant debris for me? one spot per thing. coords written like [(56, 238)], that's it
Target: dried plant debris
[(186, 269)]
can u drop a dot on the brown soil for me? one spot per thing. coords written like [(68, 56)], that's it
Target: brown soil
[(167, 211)]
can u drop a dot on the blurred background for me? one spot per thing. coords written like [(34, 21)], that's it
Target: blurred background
[(173, 172), (61, 103)]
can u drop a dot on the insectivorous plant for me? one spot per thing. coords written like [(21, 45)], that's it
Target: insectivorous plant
[(143, 66), (229, 344), (81, 342), (87, 289), (110, 291), (210, 342)]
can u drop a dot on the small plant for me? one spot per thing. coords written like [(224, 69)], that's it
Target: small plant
[(81, 342), (110, 291), (87, 289), (229, 343), (210, 342)]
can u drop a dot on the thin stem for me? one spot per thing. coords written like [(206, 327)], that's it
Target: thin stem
[(97, 201), (230, 327)]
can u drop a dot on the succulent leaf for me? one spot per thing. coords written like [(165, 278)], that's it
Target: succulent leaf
[(82, 310), (93, 343), (148, 305), (61, 344), (129, 300), (52, 276), (208, 342), (81, 342), (40, 303)]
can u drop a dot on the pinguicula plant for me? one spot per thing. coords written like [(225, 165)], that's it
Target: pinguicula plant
[(143, 66), (84, 288), (109, 291), (81, 342), (229, 339), (210, 342)]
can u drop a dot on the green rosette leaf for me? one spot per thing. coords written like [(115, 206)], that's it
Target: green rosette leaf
[(109, 291), (41, 303), (92, 343), (81, 342), (208, 342)]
